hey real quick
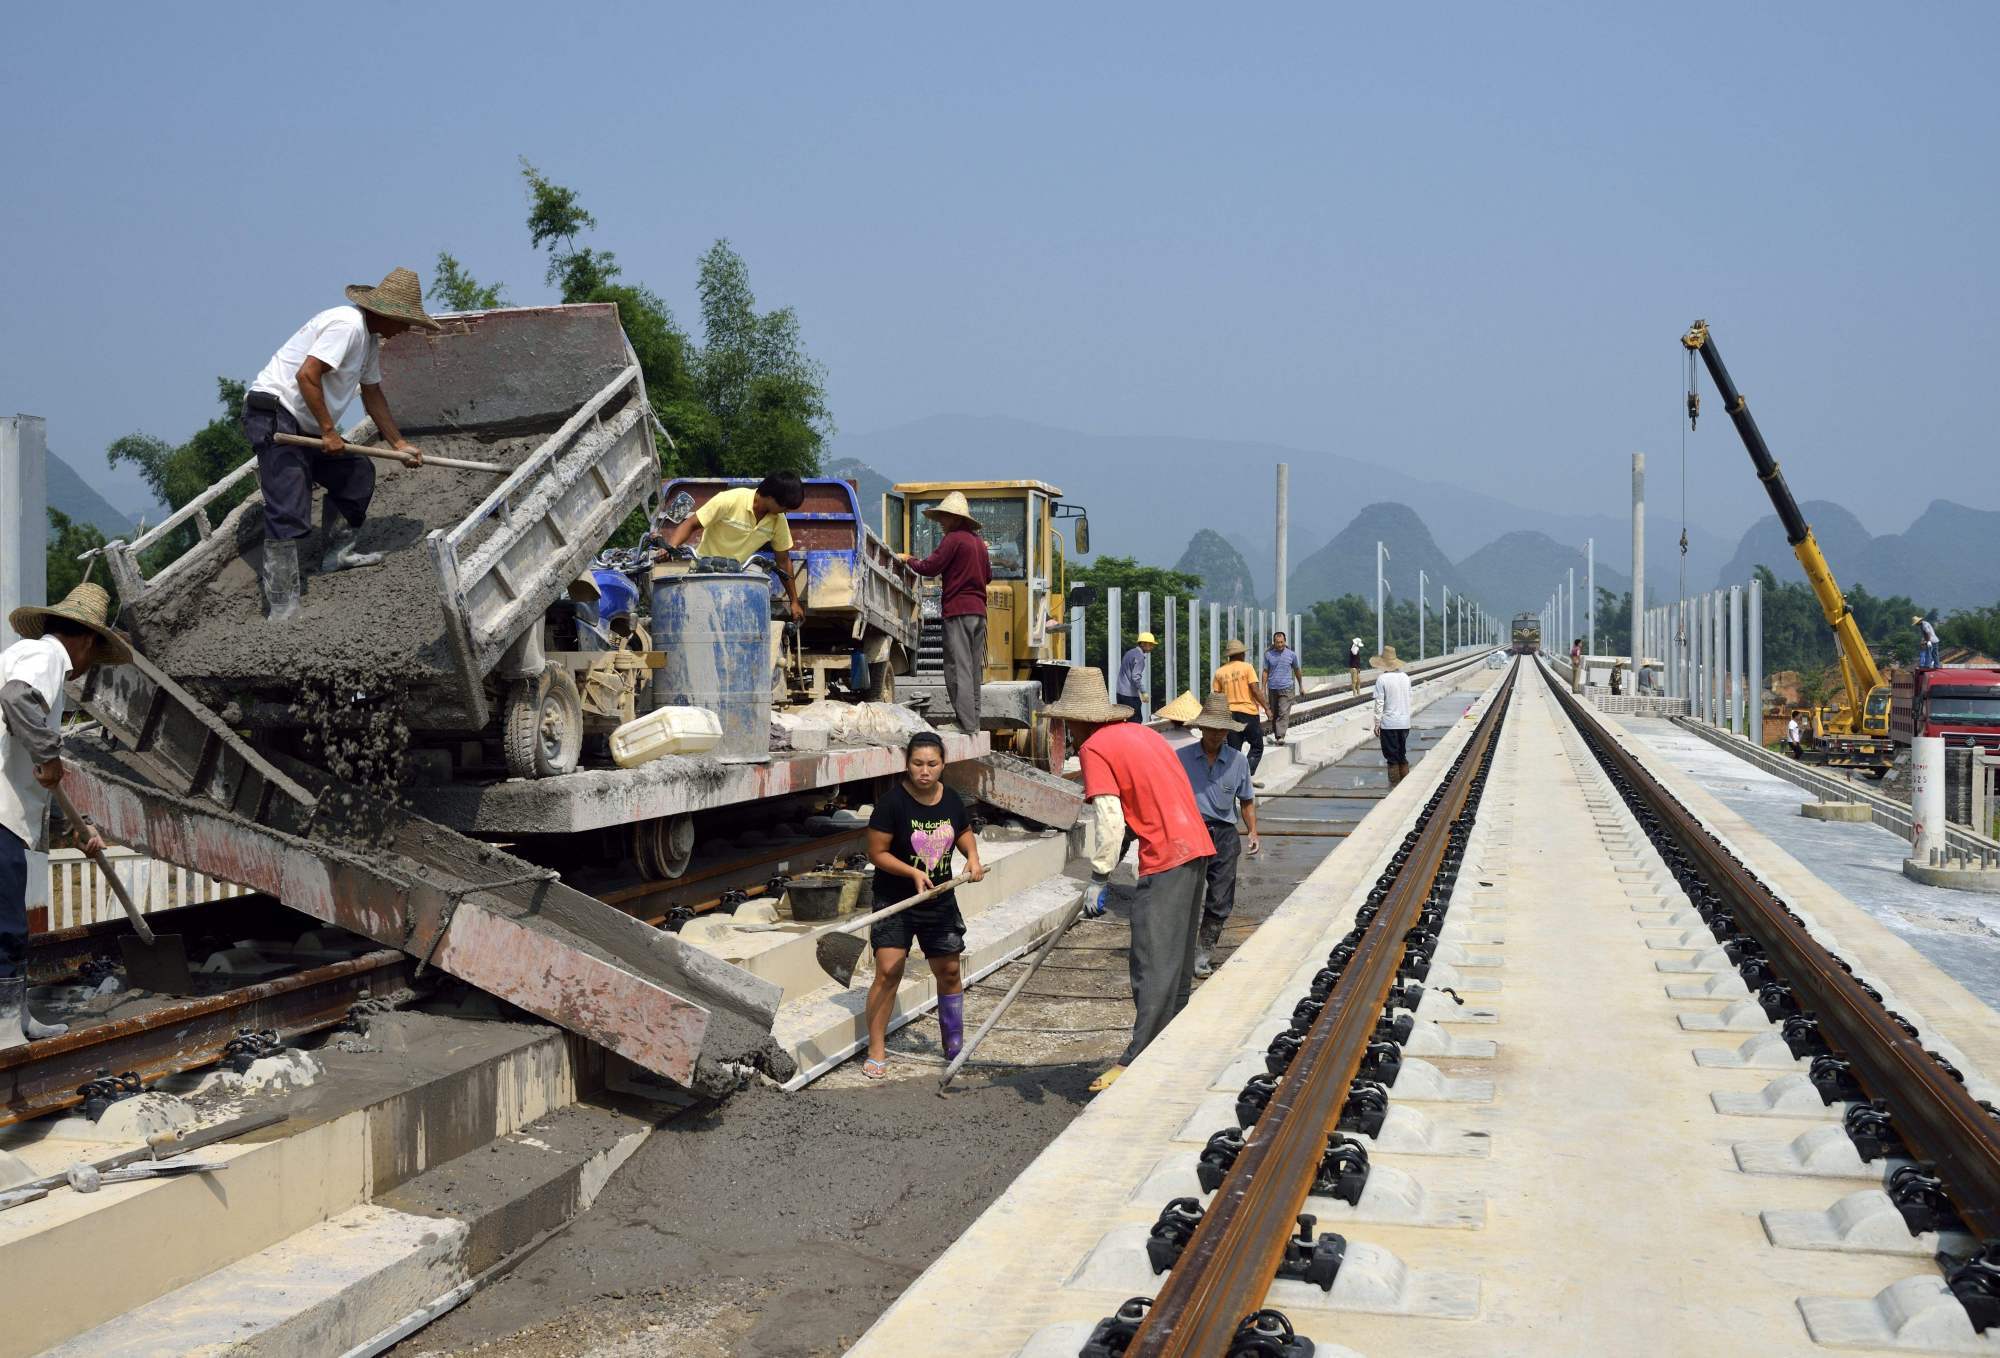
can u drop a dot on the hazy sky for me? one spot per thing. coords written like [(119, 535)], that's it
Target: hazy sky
[(1462, 239)]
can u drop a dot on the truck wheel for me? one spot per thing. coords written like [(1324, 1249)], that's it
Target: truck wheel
[(542, 730), (663, 846)]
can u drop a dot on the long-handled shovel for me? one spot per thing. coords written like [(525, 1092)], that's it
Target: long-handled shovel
[(838, 947), (965, 1053), (457, 464), (156, 962)]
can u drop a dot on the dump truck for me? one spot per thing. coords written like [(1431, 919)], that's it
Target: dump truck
[(862, 627)]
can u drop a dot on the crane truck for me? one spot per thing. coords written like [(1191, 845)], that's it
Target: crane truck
[(1853, 732)]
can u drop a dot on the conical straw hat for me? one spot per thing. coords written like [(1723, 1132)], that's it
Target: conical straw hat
[(953, 504), (1216, 716), (1183, 709), (1385, 661), (399, 297), (1084, 698), (87, 604)]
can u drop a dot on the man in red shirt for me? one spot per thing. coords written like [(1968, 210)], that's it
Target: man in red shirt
[(961, 559), (1133, 781)]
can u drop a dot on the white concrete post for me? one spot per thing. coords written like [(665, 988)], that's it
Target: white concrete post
[(1638, 546), (1214, 650), (1168, 614), (1736, 705), (1569, 631), (1590, 595), (1423, 611), (1927, 822), (1697, 646), (1114, 609), (24, 556), (1146, 675), (1194, 646), (1283, 535), (1755, 638), (1078, 654), (1721, 657), (1380, 553)]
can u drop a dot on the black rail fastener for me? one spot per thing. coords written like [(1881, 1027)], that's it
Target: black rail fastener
[(1872, 1130), (1256, 1094), (1343, 1170), (1975, 1281), (1171, 1232), (1313, 1259), (1114, 1334), (249, 1047), (1406, 995), (1366, 1109), (1218, 1157), (679, 917), (1268, 1334), (1304, 1014), (1382, 1063), (1778, 1001), (1396, 1028), (1919, 1195), (99, 1094), (1802, 1036)]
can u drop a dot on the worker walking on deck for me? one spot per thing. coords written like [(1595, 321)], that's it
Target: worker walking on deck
[(1132, 781), (1927, 643), (60, 644), (1282, 682), (961, 558), (1392, 713), (1354, 654), (304, 390), (1792, 741), (740, 522), (1576, 666), (1238, 682), (1220, 778), (1133, 690)]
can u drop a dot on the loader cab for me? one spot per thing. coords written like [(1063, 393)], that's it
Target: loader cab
[(1022, 523)]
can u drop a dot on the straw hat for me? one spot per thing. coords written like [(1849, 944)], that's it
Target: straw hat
[(1237, 648), (1144, 637), (1385, 661), (399, 297), (1084, 698), (1216, 716), (87, 604), (1181, 710), (952, 506)]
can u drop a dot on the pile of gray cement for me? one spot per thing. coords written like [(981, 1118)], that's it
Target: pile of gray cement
[(206, 623)]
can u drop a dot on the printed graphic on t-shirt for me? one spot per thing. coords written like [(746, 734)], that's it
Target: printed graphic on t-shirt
[(930, 845)]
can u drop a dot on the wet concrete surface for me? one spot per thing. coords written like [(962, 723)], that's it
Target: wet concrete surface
[(780, 1225)]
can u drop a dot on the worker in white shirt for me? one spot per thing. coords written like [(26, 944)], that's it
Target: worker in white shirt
[(59, 644), (1792, 737), (1392, 712), (303, 391)]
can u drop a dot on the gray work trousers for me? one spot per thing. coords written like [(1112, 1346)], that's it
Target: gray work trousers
[(1281, 709), (965, 667), (1220, 896), (1164, 915)]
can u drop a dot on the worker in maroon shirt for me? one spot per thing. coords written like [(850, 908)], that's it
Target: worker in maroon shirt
[(961, 559)]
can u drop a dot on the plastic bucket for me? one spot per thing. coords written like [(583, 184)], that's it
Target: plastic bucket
[(713, 632)]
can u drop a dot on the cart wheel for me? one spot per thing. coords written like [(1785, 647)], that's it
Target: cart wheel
[(663, 847), (881, 682), (542, 732)]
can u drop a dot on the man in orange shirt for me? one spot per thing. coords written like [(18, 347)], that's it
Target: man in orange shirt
[(1133, 781), (1237, 681)]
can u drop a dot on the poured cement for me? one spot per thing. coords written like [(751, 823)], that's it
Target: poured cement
[(385, 621)]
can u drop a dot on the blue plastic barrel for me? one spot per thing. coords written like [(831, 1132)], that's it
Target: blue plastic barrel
[(714, 632), (615, 594)]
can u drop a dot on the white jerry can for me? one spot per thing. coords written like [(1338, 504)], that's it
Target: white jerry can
[(664, 731)]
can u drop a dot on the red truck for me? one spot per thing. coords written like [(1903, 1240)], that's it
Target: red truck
[(1959, 702)]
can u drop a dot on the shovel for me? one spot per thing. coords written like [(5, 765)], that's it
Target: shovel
[(838, 947), (1014, 992), (156, 962), (457, 464)]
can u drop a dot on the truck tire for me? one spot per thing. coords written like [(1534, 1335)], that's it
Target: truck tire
[(542, 729)]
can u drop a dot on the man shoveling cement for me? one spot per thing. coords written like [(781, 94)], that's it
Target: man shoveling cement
[(304, 390)]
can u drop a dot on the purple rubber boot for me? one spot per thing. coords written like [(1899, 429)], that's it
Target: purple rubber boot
[(951, 1022)]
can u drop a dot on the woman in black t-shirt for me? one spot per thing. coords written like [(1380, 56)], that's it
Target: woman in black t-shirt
[(914, 828)]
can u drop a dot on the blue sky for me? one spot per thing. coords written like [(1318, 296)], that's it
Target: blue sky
[(1459, 239)]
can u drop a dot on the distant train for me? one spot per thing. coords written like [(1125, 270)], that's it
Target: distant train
[(1527, 634)]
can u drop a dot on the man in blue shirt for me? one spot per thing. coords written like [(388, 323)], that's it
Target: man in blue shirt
[(1133, 690), (1220, 777), (1281, 681)]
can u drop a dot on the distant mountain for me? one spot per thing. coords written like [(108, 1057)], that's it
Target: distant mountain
[(1346, 565), (1943, 560), (1145, 489), (1518, 571), (75, 497), (1225, 577), (869, 486)]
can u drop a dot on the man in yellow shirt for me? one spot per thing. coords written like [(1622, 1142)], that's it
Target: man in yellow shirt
[(1237, 682), (740, 522)]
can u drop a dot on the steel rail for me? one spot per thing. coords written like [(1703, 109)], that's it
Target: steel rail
[(1228, 1265), (44, 1077), (1935, 1115)]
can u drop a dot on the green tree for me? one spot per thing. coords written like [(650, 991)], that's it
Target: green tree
[(766, 396), (1126, 574), (177, 473), (69, 539), (456, 290), (555, 219), (1975, 628)]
